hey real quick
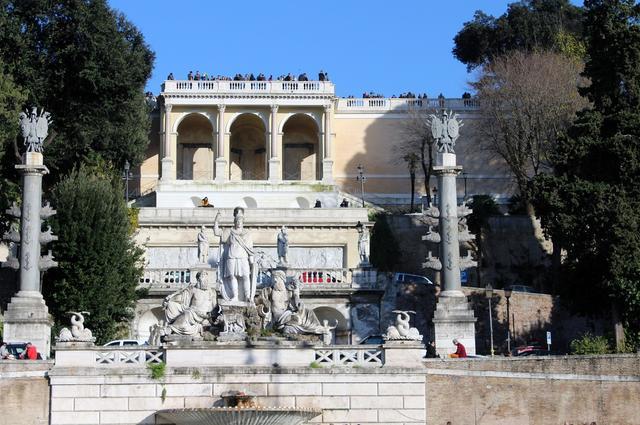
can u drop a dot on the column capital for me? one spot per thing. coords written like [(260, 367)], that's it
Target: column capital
[(167, 107), (274, 108), (327, 108), (222, 107)]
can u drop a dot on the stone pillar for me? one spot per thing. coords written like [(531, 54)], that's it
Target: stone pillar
[(453, 318), (27, 317), (167, 160), (327, 161), (221, 161), (274, 160)]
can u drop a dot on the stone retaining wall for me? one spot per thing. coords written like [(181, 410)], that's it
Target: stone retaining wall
[(24, 392), (345, 396)]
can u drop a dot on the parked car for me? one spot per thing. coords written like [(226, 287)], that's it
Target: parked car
[(124, 343), (523, 288), (373, 340), (530, 350), (412, 278), (17, 348)]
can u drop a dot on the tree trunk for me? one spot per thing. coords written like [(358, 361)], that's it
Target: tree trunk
[(413, 189)]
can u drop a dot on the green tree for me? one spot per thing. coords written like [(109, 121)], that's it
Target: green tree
[(527, 26), (11, 100), (385, 252), (87, 65), (483, 207), (99, 264), (591, 205)]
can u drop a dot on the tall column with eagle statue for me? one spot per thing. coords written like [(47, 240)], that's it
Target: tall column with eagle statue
[(453, 318), (27, 317)]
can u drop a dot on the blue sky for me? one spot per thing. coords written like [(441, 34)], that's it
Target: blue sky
[(380, 45)]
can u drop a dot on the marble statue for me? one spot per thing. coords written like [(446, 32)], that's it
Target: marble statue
[(283, 246), (445, 130), (402, 330), (288, 313), (77, 333), (187, 309), (327, 336), (363, 243), (203, 246), (34, 128), (238, 267), (156, 332)]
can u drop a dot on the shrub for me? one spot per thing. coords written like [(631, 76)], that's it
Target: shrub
[(590, 344)]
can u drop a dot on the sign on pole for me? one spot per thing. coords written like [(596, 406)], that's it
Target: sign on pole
[(549, 340)]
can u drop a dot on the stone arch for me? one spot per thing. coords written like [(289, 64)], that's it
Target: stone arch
[(237, 115), (341, 332), (301, 148), (248, 148), (195, 141), (147, 319), (183, 115)]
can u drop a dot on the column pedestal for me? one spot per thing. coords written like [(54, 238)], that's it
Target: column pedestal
[(27, 320), (327, 171), (221, 170), (167, 169), (453, 318), (274, 170)]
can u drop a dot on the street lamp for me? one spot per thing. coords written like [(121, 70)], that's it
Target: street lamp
[(126, 177), (507, 295), (361, 178), (488, 292)]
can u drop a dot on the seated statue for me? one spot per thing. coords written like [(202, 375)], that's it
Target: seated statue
[(187, 309), (288, 313)]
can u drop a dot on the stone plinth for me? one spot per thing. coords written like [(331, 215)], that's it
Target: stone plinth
[(403, 353), (27, 320), (454, 318)]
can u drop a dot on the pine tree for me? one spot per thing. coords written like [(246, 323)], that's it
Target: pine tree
[(99, 264), (591, 206)]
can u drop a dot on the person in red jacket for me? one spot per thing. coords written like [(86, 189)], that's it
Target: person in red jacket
[(30, 352), (461, 352)]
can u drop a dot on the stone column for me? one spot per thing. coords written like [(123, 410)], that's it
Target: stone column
[(274, 160), (453, 317), (327, 161), (167, 160), (27, 317), (221, 161)]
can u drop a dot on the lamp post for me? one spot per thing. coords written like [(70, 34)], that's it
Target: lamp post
[(361, 178), (507, 295), (488, 291), (126, 176)]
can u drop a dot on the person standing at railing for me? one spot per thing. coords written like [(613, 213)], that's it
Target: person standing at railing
[(170, 76), (190, 76)]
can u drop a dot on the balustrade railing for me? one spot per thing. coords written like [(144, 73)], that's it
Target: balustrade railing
[(165, 278), (349, 355), (267, 87), (397, 104), (331, 278), (133, 356)]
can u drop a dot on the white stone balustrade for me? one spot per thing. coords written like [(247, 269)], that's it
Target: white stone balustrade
[(349, 355), (134, 356), (338, 278), (165, 278), (239, 87), (403, 105)]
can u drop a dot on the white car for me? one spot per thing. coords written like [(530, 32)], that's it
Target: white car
[(412, 278), (124, 343)]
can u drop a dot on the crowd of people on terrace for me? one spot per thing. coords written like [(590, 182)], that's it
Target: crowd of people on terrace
[(322, 76)]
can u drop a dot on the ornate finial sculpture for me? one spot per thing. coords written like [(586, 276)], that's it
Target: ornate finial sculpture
[(402, 331), (78, 332), (445, 130), (34, 128)]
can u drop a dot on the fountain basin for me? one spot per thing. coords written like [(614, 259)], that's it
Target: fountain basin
[(239, 416)]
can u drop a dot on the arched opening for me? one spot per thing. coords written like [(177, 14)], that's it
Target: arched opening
[(195, 148), (148, 319), (300, 149), (248, 153), (341, 332)]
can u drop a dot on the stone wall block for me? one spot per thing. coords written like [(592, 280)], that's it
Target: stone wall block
[(59, 391), (145, 390), (71, 418), (294, 389), (156, 403), (128, 417), (356, 416), (253, 389), (101, 404), (177, 390), (400, 389), (349, 389), (401, 415), (311, 402), (414, 402), (377, 402)]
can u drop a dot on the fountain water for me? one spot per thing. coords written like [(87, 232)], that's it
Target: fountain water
[(239, 409)]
